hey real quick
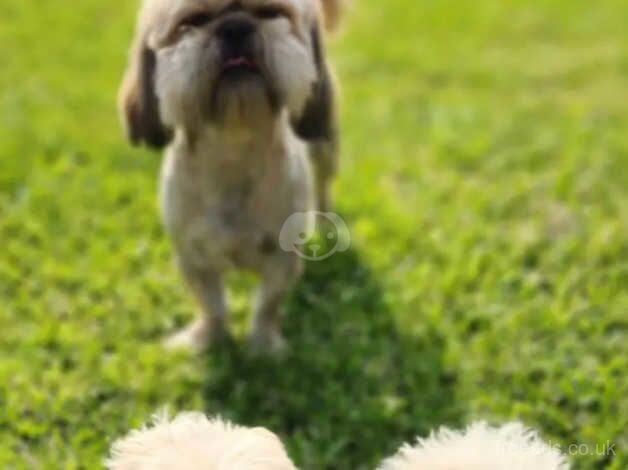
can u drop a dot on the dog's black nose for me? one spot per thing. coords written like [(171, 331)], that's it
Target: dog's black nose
[(235, 29)]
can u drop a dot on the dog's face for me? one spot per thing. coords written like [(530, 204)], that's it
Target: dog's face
[(225, 63)]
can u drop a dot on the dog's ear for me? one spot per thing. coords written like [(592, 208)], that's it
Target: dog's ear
[(138, 100), (318, 118), (332, 12)]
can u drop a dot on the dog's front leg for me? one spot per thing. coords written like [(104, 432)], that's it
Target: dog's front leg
[(324, 155), (211, 325), (280, 274)]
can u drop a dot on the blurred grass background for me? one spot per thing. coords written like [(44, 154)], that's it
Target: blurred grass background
[(485, 180)]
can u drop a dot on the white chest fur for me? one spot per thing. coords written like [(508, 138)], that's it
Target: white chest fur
[(224, 203)]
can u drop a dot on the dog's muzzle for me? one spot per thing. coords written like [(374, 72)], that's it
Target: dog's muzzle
[(236, 36)]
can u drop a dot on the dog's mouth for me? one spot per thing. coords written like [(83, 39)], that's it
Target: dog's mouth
[(239, 64), (242, 88)]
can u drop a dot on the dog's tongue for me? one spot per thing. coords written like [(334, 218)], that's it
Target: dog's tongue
[(240, 61)]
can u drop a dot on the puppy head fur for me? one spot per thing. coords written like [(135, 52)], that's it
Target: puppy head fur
[(480, 447), (193, 442), (227, 63)]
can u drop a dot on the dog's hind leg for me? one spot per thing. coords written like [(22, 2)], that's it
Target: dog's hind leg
[(211, 325)]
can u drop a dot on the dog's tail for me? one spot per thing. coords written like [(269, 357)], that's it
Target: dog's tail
[(333, 11)]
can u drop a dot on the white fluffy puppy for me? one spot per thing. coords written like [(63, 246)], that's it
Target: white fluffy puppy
[(191, 441), (479, 447)]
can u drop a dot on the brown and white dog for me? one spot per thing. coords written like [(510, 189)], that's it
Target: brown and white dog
[(240, 94)]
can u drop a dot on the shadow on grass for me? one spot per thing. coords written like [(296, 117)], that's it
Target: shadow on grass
[(353, 386)]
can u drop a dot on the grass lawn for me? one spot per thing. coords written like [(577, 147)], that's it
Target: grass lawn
[(485, 182)]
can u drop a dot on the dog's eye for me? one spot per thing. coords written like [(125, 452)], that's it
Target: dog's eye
[(195, 20), (269, 13)]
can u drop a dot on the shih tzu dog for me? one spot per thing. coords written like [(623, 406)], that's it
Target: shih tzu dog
[(479, 447), (240, 94), (192, 442)]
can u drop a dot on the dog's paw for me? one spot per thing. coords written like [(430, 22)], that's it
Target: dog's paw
[(267, 343), (197, 337)]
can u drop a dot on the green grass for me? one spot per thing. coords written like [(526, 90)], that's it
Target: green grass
[(485, 181)]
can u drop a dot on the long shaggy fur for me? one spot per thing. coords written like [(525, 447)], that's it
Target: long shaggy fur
[(191, 441), (479, 447)]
